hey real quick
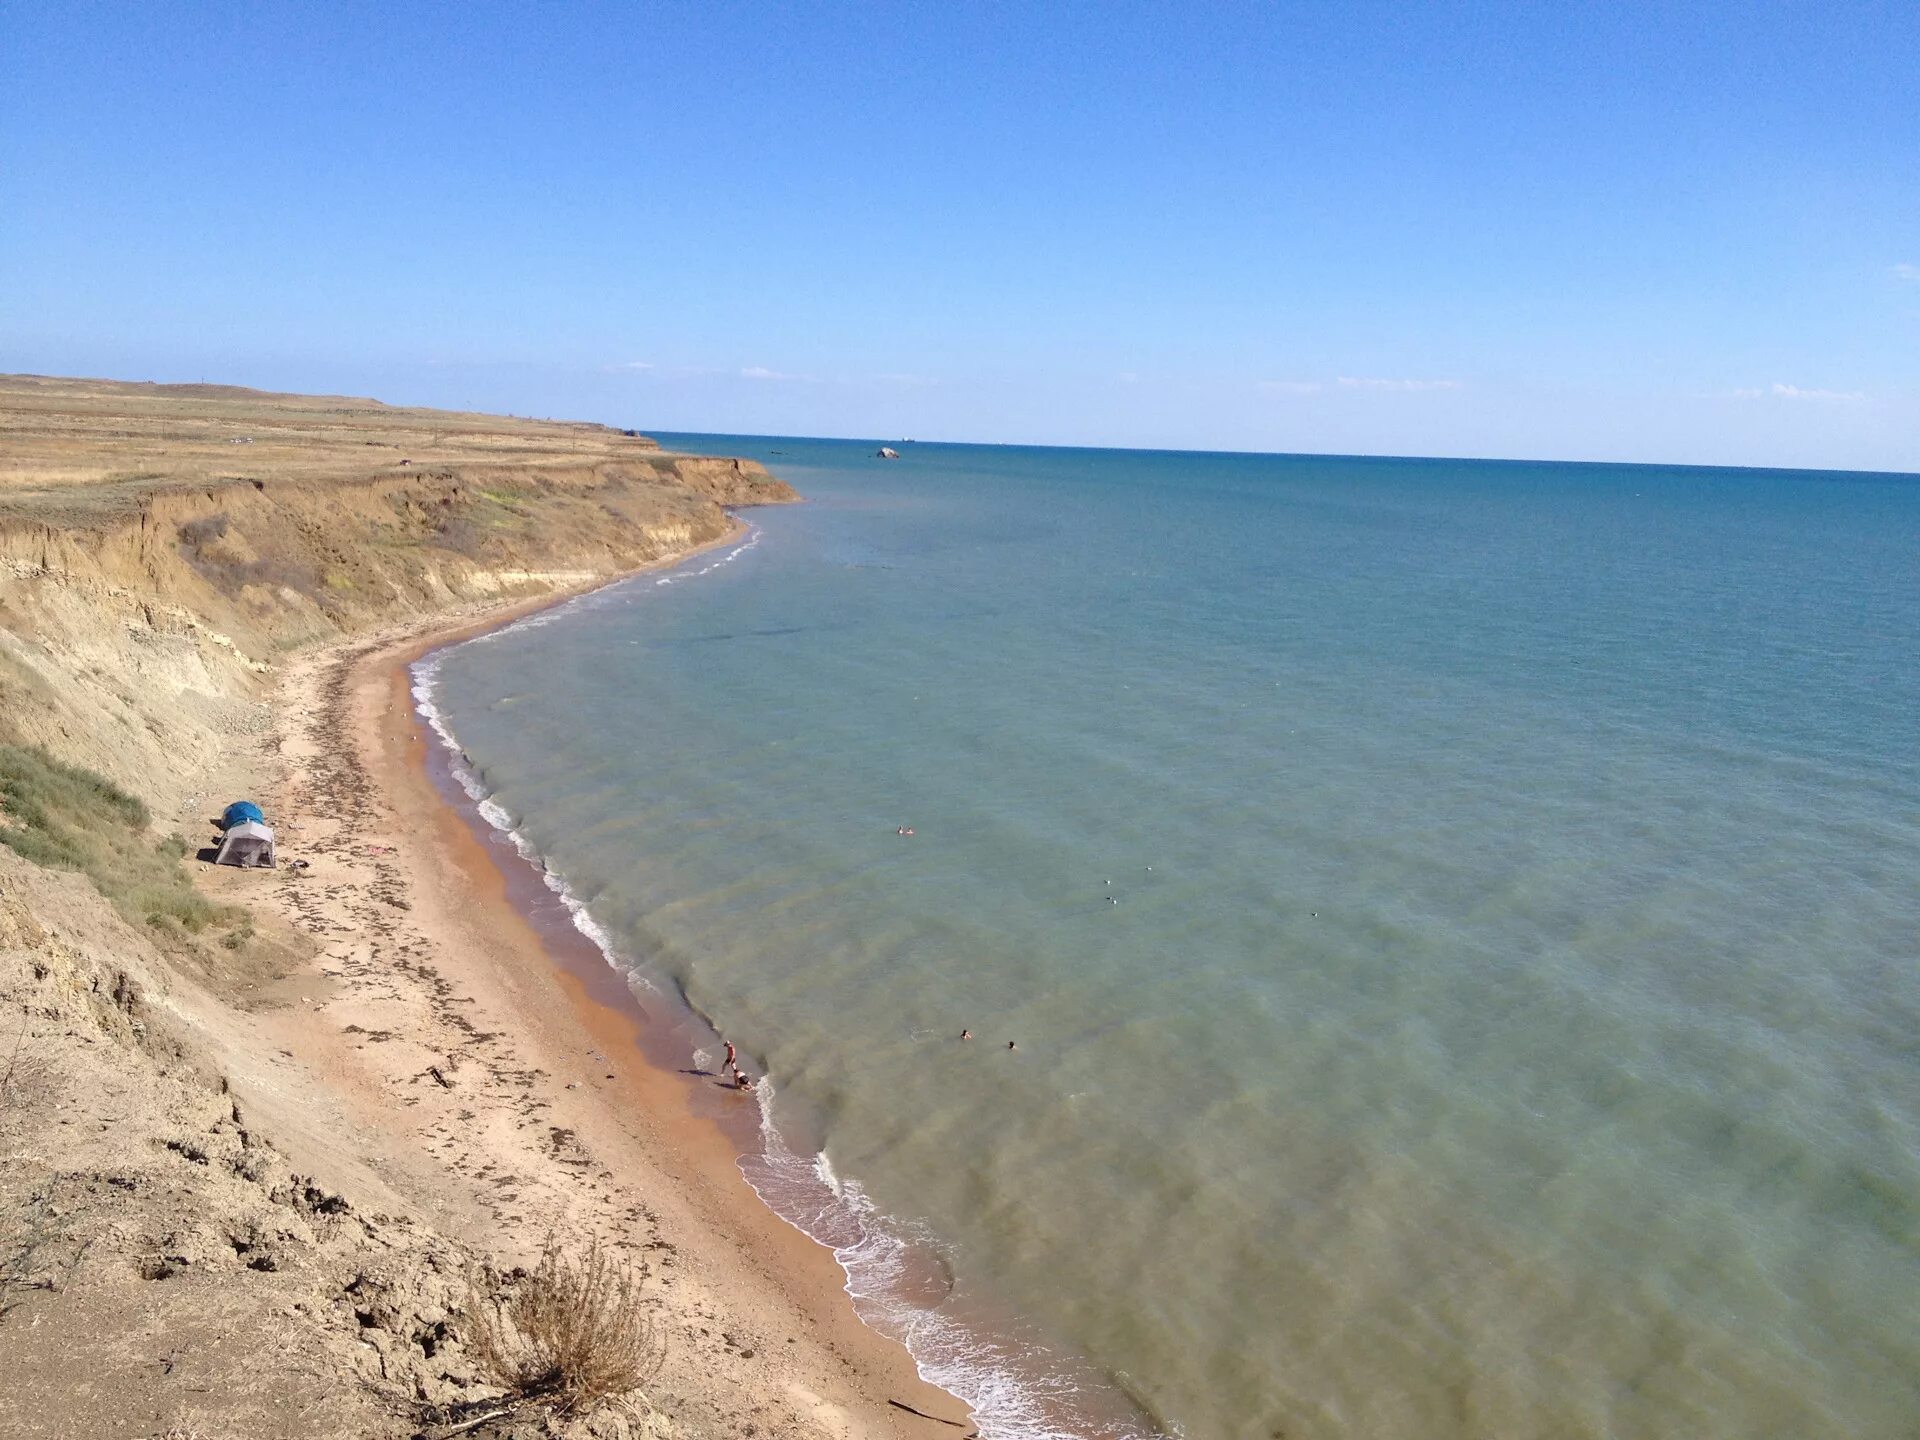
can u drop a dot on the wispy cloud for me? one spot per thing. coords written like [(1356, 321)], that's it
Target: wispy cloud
[(1357, 382), (761, 372), (1797, 392), (1352, 382), (1781, 391), (627, 366), (906, 382), (1904, 271)]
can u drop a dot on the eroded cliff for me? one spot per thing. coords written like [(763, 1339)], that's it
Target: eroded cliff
[(166, 554), (160, 546)]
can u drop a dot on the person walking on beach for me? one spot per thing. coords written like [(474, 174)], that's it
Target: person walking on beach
[(730, 1057)]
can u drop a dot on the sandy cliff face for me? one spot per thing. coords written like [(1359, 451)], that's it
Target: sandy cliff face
[(164, 552), (151, 569), (147, 1229)]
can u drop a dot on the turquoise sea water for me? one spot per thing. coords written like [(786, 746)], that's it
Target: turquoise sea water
[(1460, 922)]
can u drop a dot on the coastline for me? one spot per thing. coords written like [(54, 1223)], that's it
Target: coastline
[(970, 1356), (283, 1129), (658, 1146), (292, 1138)]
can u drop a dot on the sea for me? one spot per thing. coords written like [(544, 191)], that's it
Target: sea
[(1440, 938)]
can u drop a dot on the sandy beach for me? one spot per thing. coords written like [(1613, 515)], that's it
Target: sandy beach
[(262, 1158), (545, 1116)]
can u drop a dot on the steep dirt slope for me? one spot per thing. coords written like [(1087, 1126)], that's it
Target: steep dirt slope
[(151, 569), (164, 1268), (150, 1239)]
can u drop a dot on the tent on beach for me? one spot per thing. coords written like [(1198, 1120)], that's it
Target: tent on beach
[(248, 843), (241, 811)]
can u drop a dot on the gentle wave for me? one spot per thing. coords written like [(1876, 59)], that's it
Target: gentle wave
[(1013, 1392), (678, 574), (424, 672), (1513, 1036)]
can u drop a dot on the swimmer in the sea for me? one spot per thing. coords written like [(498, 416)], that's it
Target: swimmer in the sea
[(1012, 1046), (966, 1034)]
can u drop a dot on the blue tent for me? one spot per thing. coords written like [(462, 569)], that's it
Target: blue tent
[(240, 812)]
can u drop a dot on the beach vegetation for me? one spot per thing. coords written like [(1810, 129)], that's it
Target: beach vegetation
[(573, 1332), (68, 818), (472, 523)]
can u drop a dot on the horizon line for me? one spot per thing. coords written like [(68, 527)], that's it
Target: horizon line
[(1005, 444), (652, 432)]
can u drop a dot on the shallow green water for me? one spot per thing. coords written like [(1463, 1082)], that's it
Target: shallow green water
[(1459, 921)]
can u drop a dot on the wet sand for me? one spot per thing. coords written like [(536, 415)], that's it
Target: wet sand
[(530, 1092)]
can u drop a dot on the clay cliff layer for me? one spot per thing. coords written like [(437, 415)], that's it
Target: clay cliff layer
[(160, 546), (268, 1135)]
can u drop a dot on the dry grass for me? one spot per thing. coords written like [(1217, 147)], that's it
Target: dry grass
[(574, 1332), (101, 445)]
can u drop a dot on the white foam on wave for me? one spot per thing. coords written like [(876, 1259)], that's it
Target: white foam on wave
[(612, 592), (1013, 1392), (675, 577), (425, 672)]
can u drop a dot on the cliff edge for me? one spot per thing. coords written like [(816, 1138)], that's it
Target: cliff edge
[(162, 545), (268, 1135)]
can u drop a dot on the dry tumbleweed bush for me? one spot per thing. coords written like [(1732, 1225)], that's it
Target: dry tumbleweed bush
[(574, 1331)]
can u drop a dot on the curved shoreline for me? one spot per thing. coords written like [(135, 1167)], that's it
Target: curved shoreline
[(569, 1002), (897, 1286)]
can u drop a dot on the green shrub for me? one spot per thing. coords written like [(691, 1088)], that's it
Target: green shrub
[(34, 786), (72, 819)]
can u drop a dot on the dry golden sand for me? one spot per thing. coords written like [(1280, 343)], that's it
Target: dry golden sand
[(554, 1122), (248, 1184)]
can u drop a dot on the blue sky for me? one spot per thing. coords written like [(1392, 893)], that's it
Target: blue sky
[(1615, 231)]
